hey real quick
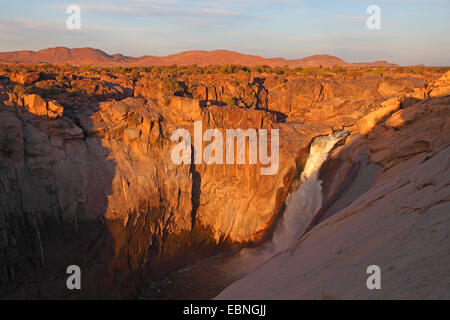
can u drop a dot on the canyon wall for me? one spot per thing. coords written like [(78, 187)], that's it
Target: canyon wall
[(87, 178)]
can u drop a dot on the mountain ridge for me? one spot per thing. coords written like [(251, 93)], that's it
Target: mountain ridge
[(97, 57)]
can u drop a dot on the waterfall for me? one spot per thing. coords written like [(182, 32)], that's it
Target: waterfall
[(304, 203), (301, 206)]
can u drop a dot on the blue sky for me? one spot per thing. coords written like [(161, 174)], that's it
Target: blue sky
[(412, 31)]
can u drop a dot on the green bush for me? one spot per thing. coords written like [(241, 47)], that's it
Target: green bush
[(172, 85)]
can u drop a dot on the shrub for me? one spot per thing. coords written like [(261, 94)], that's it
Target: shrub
[(379, 71), (355, 73), (21, 90), (46, 67), (73, 91), (134, 74), (229, 101), (172, 85)]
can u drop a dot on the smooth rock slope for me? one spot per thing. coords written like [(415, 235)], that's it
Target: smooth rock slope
[(387, 203)]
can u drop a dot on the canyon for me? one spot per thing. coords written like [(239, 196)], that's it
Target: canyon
[(86, 178)]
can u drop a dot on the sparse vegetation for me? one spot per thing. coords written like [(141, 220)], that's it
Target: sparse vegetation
[(379, 71), (88, 82), (229, 101), (73, 91), (134, 74), (172, 85), (21, 90)]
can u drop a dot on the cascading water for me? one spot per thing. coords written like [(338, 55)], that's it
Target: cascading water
[(301, 206), (304, 203)]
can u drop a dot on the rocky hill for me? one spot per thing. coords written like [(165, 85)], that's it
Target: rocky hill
[(95, 57)]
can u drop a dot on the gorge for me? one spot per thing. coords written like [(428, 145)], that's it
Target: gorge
[(86, 178)]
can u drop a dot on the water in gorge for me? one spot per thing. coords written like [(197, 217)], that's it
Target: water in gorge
[(207, 278)]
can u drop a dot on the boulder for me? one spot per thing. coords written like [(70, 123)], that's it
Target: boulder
[(439, 87), (201, 93), (132, 133), (35, 104), (394, 87), (25, 78), (367, 123), (189, 107), (402, 117), (55, 110)]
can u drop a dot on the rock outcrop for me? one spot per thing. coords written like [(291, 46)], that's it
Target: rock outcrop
[(25, 78), (38, 106), (367, 123)]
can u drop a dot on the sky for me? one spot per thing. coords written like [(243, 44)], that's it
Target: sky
[(412, 31)]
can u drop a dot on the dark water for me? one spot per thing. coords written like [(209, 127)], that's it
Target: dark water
[(202, 280)]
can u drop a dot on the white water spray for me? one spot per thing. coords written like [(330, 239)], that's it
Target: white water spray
[(301, 206), (304, 203)]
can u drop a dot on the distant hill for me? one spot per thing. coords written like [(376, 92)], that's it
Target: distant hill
[(96, 57)]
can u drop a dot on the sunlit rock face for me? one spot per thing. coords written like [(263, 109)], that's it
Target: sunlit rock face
[(88, 178), (386, 203)]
